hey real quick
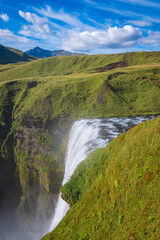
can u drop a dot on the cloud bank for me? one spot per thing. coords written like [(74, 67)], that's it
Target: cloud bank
[(7, 35), (113, 38)]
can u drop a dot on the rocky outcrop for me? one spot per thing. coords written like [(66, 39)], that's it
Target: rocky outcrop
[(31, 162), (111, 66), (39, 154), (9, 181)]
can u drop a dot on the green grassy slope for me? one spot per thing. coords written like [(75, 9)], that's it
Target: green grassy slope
[(77, 64), (115, 193), (11, 55), (116, 93)]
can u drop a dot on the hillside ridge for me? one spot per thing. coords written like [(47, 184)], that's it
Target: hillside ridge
[(89, 64), (11, 55)]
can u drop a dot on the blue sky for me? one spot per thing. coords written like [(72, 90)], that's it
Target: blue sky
[(88, 26)]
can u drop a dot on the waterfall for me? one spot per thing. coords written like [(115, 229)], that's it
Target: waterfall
[(85, 136)]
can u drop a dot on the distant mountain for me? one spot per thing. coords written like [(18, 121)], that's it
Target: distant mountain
[(11, 55), (42, 53), (39, 52), (62, 53)]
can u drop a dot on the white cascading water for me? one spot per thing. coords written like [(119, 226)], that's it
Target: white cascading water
[(86, 136)]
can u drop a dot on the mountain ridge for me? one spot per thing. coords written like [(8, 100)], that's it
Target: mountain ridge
[(43, 53), (12, 55)]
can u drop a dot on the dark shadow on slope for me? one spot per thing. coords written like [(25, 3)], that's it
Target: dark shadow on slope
[(10, 55)]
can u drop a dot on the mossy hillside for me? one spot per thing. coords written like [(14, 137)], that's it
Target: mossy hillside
[(36, 102), (47, 162), (114, 194), (40, 168), (79, 64), (43, 107), (116, 93), (119, 92), (83, 177)]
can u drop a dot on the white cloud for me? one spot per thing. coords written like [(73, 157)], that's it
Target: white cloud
[(113, 38), (39, 25), (5, 17), (140, 23), (7, 35), (43, 28), (66, 18), (40, 29), (153, 38)]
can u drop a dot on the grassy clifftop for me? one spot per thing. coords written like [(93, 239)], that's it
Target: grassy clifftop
[(114, 194), (80, 64), (127, 91), (86, 86)]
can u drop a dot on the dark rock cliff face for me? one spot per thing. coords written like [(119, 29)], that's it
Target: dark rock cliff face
[(39, 155), (9, 182), (31, 166), (10, 189)]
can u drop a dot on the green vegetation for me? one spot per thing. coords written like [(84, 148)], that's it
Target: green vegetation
[(116, 93), (64, 65), (93, 87), (40, 100), (114, 194)]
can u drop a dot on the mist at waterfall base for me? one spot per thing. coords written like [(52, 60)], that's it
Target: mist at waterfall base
[(85, 136), (12, 227)]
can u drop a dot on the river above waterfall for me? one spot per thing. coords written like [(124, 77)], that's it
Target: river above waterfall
[(85, 136)]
